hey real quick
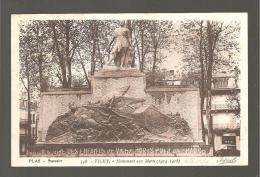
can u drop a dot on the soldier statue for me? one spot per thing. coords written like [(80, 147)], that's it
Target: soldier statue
[(122, 52)]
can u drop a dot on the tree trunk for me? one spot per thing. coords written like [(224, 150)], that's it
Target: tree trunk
[(210, 38), (142, 50), (100, 56), (29, 115), (154, 59), (201, 117), (209, 118), (129, 26), (93, 53), (69, 77), (28, 101), (84, 70), (133, 62), (40, 59), (202, 81), (67, 52), (61, 61)]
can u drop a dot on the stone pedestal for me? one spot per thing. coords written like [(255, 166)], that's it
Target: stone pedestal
[(108, 80)]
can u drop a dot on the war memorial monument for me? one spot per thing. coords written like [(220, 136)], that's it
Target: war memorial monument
[(120, 115)]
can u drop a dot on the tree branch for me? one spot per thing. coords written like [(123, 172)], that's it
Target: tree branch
[(24, 85)]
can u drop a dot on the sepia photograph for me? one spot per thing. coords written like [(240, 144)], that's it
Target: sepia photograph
[(167, 89)]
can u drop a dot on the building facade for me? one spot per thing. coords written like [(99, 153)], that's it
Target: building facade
[(28, 126), (225, 112)]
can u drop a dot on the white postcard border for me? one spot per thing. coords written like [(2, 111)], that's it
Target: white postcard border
[(18, 161)]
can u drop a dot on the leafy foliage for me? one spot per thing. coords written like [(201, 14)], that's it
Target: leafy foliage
[(63, 53), (153, 78)]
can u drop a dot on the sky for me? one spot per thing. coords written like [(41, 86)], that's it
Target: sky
[(173, 61)]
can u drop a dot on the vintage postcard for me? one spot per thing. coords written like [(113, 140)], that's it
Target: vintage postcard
[(141, 89)]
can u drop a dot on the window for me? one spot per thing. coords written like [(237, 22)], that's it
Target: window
[(25, 104), (33, 131), (33, 120), (221, 83), (231, 147), (22, 131), (229, 140)]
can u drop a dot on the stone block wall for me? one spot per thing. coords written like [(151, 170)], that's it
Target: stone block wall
[(186, 101), (56, 103)]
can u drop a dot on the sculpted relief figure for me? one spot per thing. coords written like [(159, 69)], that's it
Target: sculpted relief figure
[(122, 52)]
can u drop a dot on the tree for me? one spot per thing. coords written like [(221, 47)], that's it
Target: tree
[(65, 34), (96, 35), (141, 42), (63, 50), (233, 99), (39, 46), (150, 38), (160, 34), (26, 72), (154, 78), (84, 69), (206, 45)]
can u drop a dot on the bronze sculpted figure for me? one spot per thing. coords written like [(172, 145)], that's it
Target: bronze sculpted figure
[(122, 52)]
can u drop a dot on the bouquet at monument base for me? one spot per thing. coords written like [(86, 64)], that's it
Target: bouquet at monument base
[(118, 119)]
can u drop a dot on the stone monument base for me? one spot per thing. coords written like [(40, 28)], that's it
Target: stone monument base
[(112, 79)]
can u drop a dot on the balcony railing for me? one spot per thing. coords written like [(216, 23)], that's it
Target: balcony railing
[(220, 107), (216, 107), (231, 126), (23, 121)]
